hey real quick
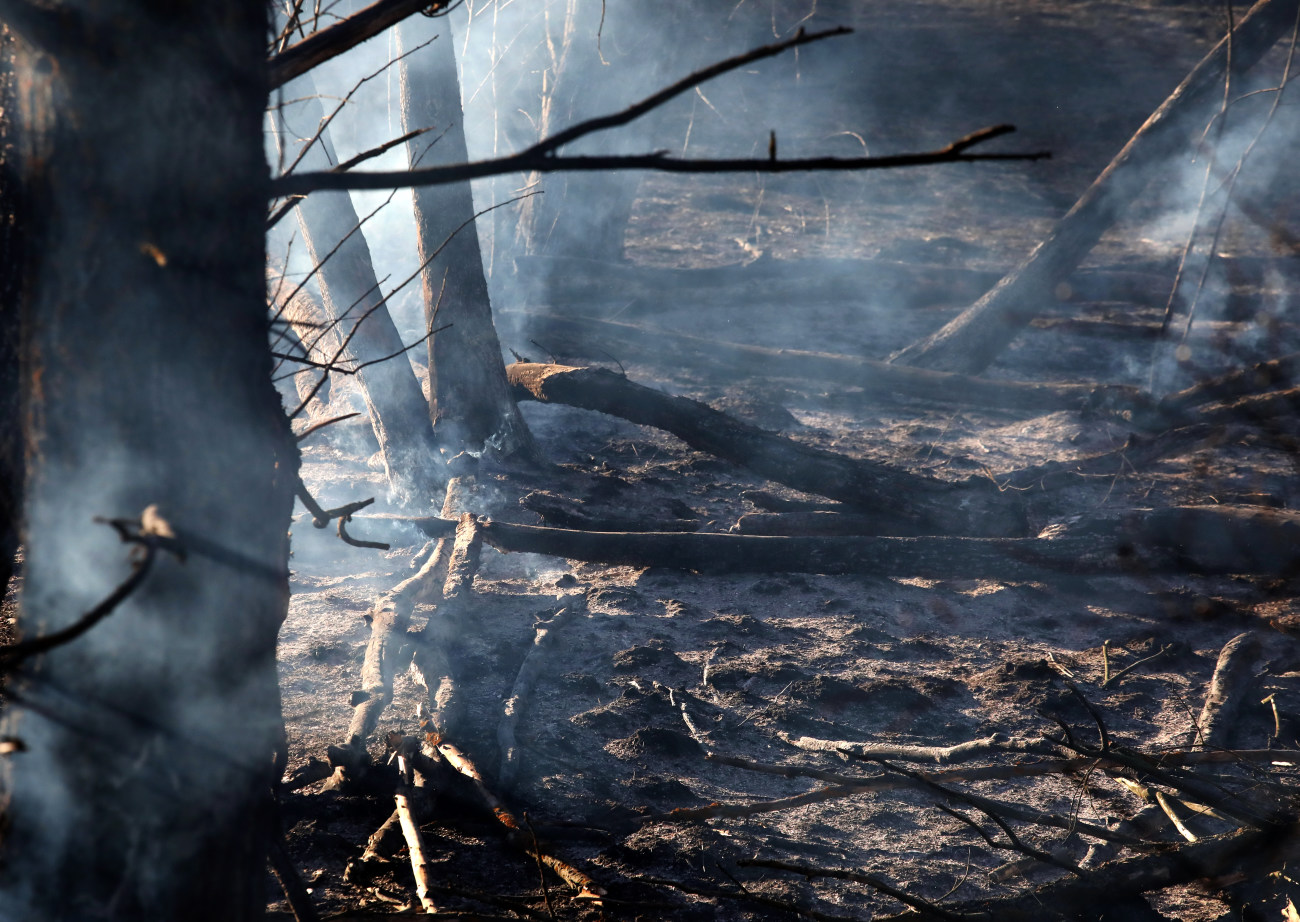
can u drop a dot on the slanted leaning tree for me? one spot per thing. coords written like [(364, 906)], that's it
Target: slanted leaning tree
[(144, 791)]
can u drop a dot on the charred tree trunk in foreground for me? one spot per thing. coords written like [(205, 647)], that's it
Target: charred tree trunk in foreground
[(145, 788), (11, 271), (469, 397), (972, 341), (904, 503), (398, 411)]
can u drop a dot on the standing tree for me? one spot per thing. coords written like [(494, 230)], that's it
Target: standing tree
[(468, 393), (144, 791)]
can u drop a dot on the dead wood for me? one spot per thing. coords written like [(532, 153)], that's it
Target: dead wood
[(1177, 539), (940, 755), (390, 618), (1234, 676), (415, 845), (458, 557), (973, 340), (1253, 853), (880, 380), (319, 47), (586, 887), (462, 565), (529, 670), (905, 503), (380, 848), (561, 512), (848, 785)]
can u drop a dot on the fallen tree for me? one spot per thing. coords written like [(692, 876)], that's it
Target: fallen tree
[(1178, 539), (904, 503)]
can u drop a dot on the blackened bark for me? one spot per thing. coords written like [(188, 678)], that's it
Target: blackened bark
[(145, 789), (399, 413), (470, 399), (11, 265)]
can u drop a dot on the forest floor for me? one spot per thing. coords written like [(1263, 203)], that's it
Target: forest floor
[(650, 670)]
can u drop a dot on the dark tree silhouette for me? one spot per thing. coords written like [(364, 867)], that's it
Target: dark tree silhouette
[(144, 791)]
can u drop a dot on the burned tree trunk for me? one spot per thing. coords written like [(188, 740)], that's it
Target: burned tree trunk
[(144, 791), (398, 411), (469, 397), (11, 266), (972, 341)]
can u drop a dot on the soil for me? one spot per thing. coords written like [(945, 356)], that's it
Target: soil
[(650, 670)]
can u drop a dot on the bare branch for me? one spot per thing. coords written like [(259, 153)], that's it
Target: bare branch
[(303, 183), (329, 43)]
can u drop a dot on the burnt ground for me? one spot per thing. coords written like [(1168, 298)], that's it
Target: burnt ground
[(660, 667)]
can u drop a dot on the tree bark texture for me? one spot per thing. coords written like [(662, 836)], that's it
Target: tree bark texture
[(904, 503), (12, 231), (145, 788), (973, 340), (399, 413), (470, 400)]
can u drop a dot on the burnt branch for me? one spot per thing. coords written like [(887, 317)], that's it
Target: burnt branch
[(956, 152), (11, 654), (301, 436), (331, 42)]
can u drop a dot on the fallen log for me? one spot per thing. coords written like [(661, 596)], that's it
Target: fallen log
[(591, 338), (526, 678), (1234, 675), (905, 503), (1206, 539), (973, 340)]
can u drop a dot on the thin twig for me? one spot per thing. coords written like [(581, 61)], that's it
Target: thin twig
[(23, 649), (322, 424)]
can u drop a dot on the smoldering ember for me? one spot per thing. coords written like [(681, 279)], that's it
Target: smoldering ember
[(574, 460)]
